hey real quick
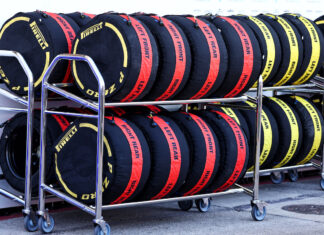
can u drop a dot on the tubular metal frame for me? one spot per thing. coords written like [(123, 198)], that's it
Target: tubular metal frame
[(99, 107), (314, 87), (29, 103)]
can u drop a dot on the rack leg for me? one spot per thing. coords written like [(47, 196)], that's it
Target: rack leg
[(45, 221), (322, 163), (101, 227), (258, 207)]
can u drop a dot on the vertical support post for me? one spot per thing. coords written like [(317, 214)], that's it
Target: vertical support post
[(322, 163), (100, 137), (257, 142)]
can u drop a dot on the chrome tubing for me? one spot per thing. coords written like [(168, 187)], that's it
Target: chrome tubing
[(12, 197), (100, 123), (174, 199), (257, 142), (30, 116)]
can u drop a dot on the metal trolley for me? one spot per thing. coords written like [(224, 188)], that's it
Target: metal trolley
[(29, 215), (277, 175), (46, 222)]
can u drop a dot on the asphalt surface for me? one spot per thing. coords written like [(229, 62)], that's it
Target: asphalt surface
[(230, 214)]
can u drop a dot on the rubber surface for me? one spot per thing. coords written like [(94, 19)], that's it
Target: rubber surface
[(209, 57), (13, 149), (125, 52), (126, 160), (39, 37)]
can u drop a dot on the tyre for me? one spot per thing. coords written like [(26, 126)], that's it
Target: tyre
[(269, 45), (127, 110), (80, 18), (204, 152), (39, 37), (313, 44), (175, 57), (185, 205), (244, 56), (126, 160), (291, 46), (290, 131), (13, 149), (125, 52), (269, 136), (209, 57), (169, 154), (234, 150), (312, 125)]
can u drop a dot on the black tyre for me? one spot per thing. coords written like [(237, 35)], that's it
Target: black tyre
[(312, 125), (269, 136), (269, 45), (244, 56), (204, 152), (39, 37), (290, 131), (126, 160), (175, 57), (234, 151), (313, 44), (128, 110), (209, 57), (13, 149), (291, 46), (169, 154), (125, 52)]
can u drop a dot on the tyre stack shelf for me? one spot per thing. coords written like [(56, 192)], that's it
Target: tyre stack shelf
[(277, 175), (101, 227)]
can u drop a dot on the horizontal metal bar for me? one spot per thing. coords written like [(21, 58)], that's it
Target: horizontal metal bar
[(290, 87), (9, 109), (316, 165), (172, 102), (12, 197), (311, 91), (13, 97), (246, 190), (71, 114), (68, 199), (173, 199), (233, 106), (62, 84), (70, 96), (286, 168)]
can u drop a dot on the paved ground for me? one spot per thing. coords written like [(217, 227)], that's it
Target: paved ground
[(228, 215)]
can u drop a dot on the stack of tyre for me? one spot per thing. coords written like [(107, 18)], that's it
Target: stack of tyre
[(148, 57), (151, 153), (291, 131)]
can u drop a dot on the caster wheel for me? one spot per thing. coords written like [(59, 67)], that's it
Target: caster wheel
[(202, 206), (185, 205), (30, 224), (277, 178), (257, 215), (98, 230), (322, 183), (44, 225), (293, 175)]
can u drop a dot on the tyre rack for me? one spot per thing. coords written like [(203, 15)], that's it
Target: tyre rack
[(28, 101), (277, 174), (46, 221)]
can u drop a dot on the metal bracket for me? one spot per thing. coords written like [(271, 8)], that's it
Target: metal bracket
[(102, 224), (259, 203)]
